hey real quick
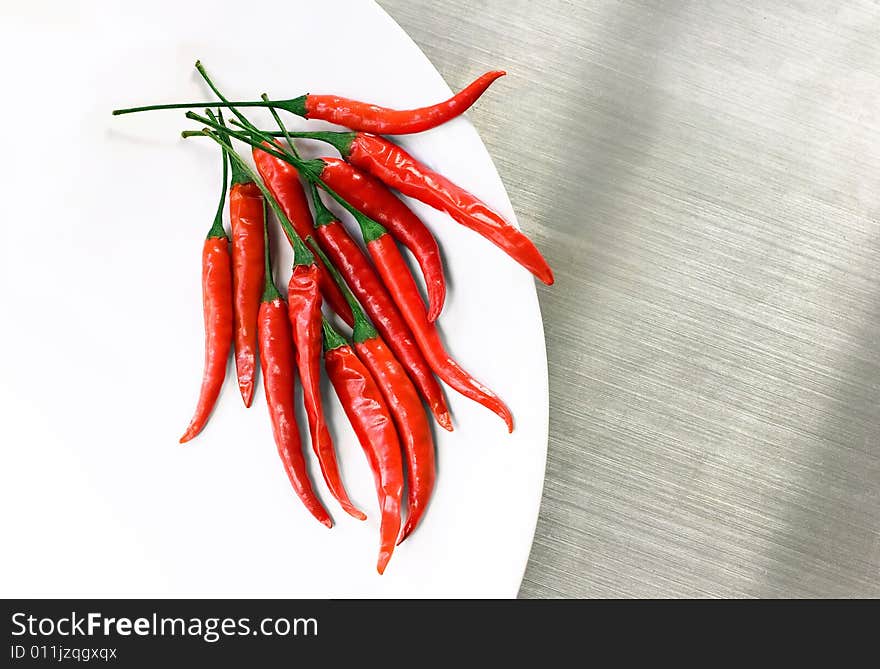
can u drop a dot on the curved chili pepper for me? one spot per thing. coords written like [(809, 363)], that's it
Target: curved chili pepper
[(277, 364), (358, 115), (394, 166), (370, 196), (304, 306), (246, 214), (398, 169), (284, 184), (412, 425), (217, 301), (396, 276), (369, 416), (368, 287), (217, 307), (372, 118), (403, 401)]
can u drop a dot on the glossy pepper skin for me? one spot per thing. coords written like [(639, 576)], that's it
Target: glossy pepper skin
[(284, 184), (398, 169), (395, 274), (355, 267), (304, 308), (373, 118), (246, 214), (412, 425), (353, 113), (277, 364), (372, 423), (372, 197), (217, 307)]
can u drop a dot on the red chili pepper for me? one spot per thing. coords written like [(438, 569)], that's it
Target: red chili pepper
[(278, 357), (246, 213), (304, 304), (370, 196), (412, 424), (358, 115), (372, 118), (396, 276), (283, 181), (277, 364), (367, 286), (396, 168), (371, 420), (217, 307), (354, 265), (403, 401)]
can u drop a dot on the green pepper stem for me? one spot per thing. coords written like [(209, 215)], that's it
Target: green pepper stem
[(217, 230), (370, 229), (311, 170), (363, 329), (244, 137), (295, 106), (341, 141), (323, 216), (301, 253), (332, 339), (238, 176), (270, 290), (283, 128), (241, 117)]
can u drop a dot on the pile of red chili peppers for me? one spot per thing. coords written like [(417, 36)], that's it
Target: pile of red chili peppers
[(391, 362)]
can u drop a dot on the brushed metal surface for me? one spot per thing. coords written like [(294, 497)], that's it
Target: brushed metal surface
[(705, 180)]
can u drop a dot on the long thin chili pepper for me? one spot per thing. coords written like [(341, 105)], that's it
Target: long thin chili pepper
[(277, 364), (348, 258), (369, 416), (366, 284), (405, 406), (398, 169), (359, 115), (372, 197), (304, 304), (247, 211), (304, 309), (217, 306), (283, 180), (396, 276), (395, 386)]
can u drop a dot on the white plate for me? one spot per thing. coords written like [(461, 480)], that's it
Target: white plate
[(103, 224)]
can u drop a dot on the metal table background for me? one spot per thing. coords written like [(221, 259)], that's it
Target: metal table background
[(705, 180)]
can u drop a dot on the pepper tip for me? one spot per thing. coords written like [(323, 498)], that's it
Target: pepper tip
[(354, 512), (247, 393), (444, 420), (404, 533), (188, 435), (384, 558), (507, 417)]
